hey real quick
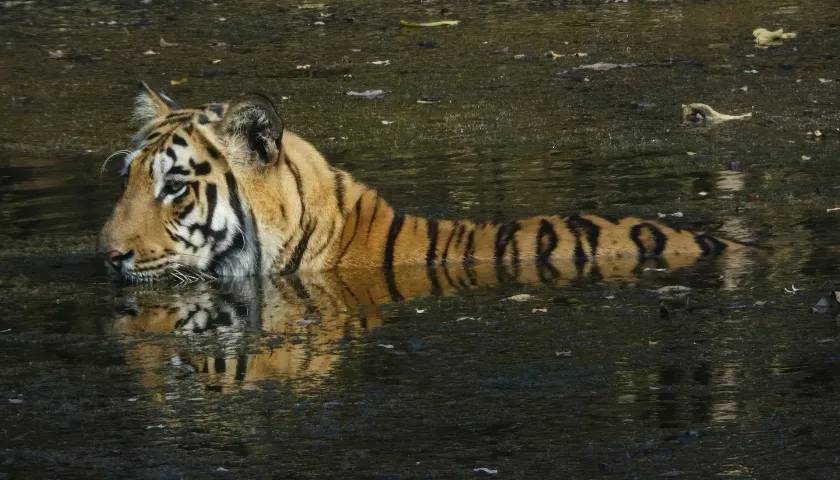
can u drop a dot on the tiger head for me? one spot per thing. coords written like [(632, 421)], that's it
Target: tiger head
[(183, 212)]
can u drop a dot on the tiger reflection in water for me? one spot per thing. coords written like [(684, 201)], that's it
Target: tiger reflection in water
[(312, 316)]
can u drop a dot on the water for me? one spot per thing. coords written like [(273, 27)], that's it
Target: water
[(326, 376)]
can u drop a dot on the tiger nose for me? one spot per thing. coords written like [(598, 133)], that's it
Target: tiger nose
[(115, 258)]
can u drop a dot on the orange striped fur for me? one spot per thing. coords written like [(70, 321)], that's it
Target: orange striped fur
[(223, 190)]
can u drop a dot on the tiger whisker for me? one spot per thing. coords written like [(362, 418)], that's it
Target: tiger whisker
[(102, 168)]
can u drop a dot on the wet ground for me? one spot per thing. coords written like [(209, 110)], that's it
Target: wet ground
[(287, 378)]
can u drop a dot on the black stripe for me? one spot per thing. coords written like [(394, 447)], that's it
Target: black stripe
[(210, 193), (659, 240), (200, 168), (326, 242), (186, 211), (449, 277), (299, 288), (297, 254), (219, 365), (469, 250), (171, 154), (241, 367), (448, 242), (504, 235), (709, 244), (177, 238), (339, 189), (237, 244), (235, 202), (239, 240), (212, 151), (393, 232), (580, 226), (373, 217), (176, 170), (546, 241), (461, 230), (432, 233), (358, 210), (390, 280), (431, 272), (178, 140), (298, 184), (257, 245)]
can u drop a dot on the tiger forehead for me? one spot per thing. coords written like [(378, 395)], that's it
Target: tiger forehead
[(165, 148), (186, 118)]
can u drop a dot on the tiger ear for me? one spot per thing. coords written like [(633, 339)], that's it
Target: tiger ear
[(150, 104), (253, 130)]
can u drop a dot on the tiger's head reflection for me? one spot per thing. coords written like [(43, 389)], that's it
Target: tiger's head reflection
[(236, 335)]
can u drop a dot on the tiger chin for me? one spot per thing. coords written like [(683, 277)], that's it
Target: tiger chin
[(225, 191)]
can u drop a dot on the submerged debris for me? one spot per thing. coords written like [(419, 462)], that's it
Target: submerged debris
[(554, 55), (424, 99), (671, 292), (440, 23), (485, 472), (522, 297), (829, 303), (604, 66), (369, 94), (766, 38), (676, 214), (702, 113), (164, 43)]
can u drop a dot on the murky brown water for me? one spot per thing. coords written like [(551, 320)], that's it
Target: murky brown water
[(296, 378)]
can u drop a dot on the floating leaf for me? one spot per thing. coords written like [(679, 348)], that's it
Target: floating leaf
[(702, 113), (440, 23), (766, 38)]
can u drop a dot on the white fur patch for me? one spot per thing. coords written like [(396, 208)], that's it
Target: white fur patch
[(145, 108)]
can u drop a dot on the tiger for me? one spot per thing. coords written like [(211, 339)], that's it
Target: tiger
[(225, 190)]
